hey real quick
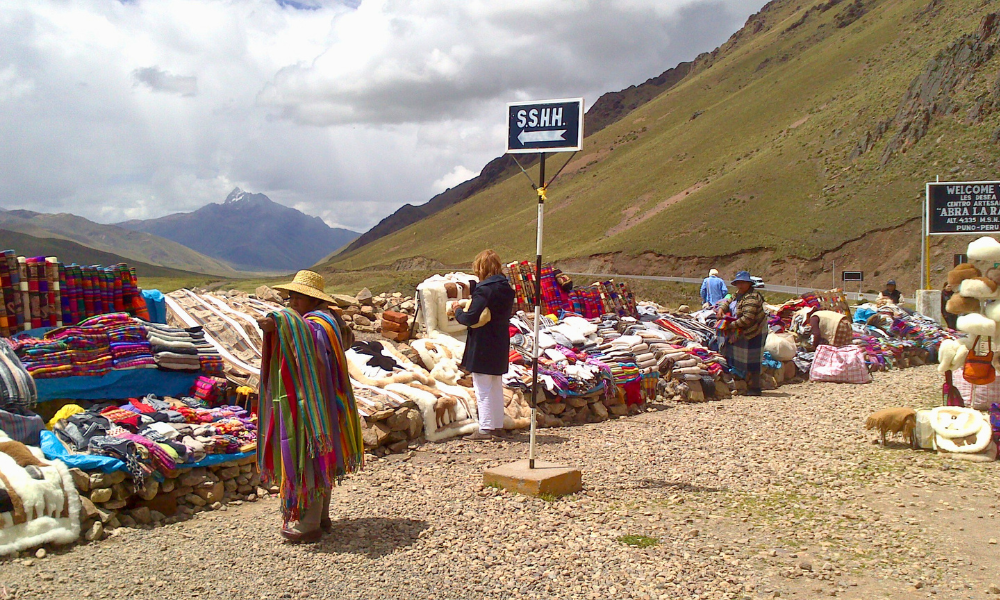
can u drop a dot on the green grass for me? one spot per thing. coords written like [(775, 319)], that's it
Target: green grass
[(639, 541), (791, 190), (349, 282)]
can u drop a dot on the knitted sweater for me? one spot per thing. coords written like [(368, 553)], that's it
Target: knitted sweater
[(750, 315)]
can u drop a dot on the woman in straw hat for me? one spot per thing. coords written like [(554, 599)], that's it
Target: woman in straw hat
[(310, 432)]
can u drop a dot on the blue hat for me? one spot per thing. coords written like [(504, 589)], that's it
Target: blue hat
[(741, 276), (891, 282)]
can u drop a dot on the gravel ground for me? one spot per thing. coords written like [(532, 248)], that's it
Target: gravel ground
[(779, 496)]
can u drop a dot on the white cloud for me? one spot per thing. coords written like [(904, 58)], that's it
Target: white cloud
[(457, 176), (346, 110)]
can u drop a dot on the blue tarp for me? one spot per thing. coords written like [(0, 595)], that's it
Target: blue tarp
[(117, 385), (156, 306), (54, 449)]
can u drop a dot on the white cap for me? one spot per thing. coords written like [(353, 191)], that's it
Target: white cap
[(713, 272)]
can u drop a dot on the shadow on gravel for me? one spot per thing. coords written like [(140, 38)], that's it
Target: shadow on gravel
[(676, 486), (372, 536)]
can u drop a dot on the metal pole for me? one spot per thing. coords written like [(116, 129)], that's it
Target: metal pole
[(833, 276), (538, 309), (923, 238)]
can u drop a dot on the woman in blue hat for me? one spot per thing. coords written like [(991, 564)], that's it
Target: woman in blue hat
[(747, 332)]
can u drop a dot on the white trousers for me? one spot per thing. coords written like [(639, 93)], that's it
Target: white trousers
[(489, 399)]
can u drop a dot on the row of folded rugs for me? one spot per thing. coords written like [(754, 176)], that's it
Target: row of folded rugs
[(115, 342), (156, 434), (614, 352)]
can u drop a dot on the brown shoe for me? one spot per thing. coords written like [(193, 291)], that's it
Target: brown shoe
[(326, 525), (501, 434), (301, 537), (480, 436)]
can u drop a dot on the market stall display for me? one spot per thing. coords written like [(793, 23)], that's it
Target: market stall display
[(40, 291)]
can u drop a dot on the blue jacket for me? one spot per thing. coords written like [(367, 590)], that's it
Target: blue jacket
[(713, 289)]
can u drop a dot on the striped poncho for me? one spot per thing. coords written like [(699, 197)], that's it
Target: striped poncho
[(310, 432)]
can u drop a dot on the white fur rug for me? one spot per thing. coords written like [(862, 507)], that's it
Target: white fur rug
[(44, 511)]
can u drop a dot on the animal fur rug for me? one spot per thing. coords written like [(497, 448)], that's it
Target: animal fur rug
[(447, 410), (39, 503)]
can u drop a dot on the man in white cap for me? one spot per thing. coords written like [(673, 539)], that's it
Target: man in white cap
[(713, 289)]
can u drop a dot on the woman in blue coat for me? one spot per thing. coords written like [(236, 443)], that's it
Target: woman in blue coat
[(487, 351)]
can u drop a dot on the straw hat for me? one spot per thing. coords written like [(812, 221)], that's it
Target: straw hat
[(307, 283)]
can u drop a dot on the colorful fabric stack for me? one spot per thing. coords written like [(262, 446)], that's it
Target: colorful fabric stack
[(42, 292), (11, 295), (154, 434), (591, 302)]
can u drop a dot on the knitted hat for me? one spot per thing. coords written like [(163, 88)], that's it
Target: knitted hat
[(307, 283), (962, 272)]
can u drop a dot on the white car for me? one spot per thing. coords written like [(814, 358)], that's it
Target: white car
[(758, 283)]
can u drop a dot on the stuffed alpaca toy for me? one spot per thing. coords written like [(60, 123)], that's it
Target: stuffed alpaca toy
[(442, 356), (899, 420)]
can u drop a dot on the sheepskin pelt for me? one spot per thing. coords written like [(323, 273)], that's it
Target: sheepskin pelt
[(985, 249), (410, 373), (953, 422), (987, 455), (961, 273), (435, 294), (980, 288), (39, 504), (960, 305), (442, 355), (976, 324), (516, 412), (970, 444), (448, 411)]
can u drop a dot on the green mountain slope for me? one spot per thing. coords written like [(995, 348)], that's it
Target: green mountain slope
[(134, 246), (757, 151), (71, 252)]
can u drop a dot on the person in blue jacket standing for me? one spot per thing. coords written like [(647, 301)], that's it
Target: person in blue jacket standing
[(713, 289)]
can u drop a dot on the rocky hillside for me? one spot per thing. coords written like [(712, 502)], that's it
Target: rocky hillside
[(609, 108), (810, 130), (251, 232)]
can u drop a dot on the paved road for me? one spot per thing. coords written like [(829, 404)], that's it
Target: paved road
[(785, 289)]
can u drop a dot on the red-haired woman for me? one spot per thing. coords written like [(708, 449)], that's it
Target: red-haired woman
[(487, 350)]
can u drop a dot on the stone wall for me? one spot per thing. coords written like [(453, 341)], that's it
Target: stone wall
[(110, 500)]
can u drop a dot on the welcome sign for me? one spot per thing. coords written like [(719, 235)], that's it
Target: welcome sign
[(963, 207)]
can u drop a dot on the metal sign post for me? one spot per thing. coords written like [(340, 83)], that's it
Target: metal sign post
[(858, 276), (540, 127)]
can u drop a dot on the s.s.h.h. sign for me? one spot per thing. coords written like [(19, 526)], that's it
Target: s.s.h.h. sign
[(545, 126)]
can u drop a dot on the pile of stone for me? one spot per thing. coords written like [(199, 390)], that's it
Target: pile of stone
[(577, 410), (110, 500), (393, 430), (366, 313)]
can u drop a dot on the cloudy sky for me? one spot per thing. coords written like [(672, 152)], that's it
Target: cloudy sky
[(345, 110)]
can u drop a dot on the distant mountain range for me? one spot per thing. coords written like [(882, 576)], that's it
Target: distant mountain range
[(250, 232), (69, 251), (119, 243)]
